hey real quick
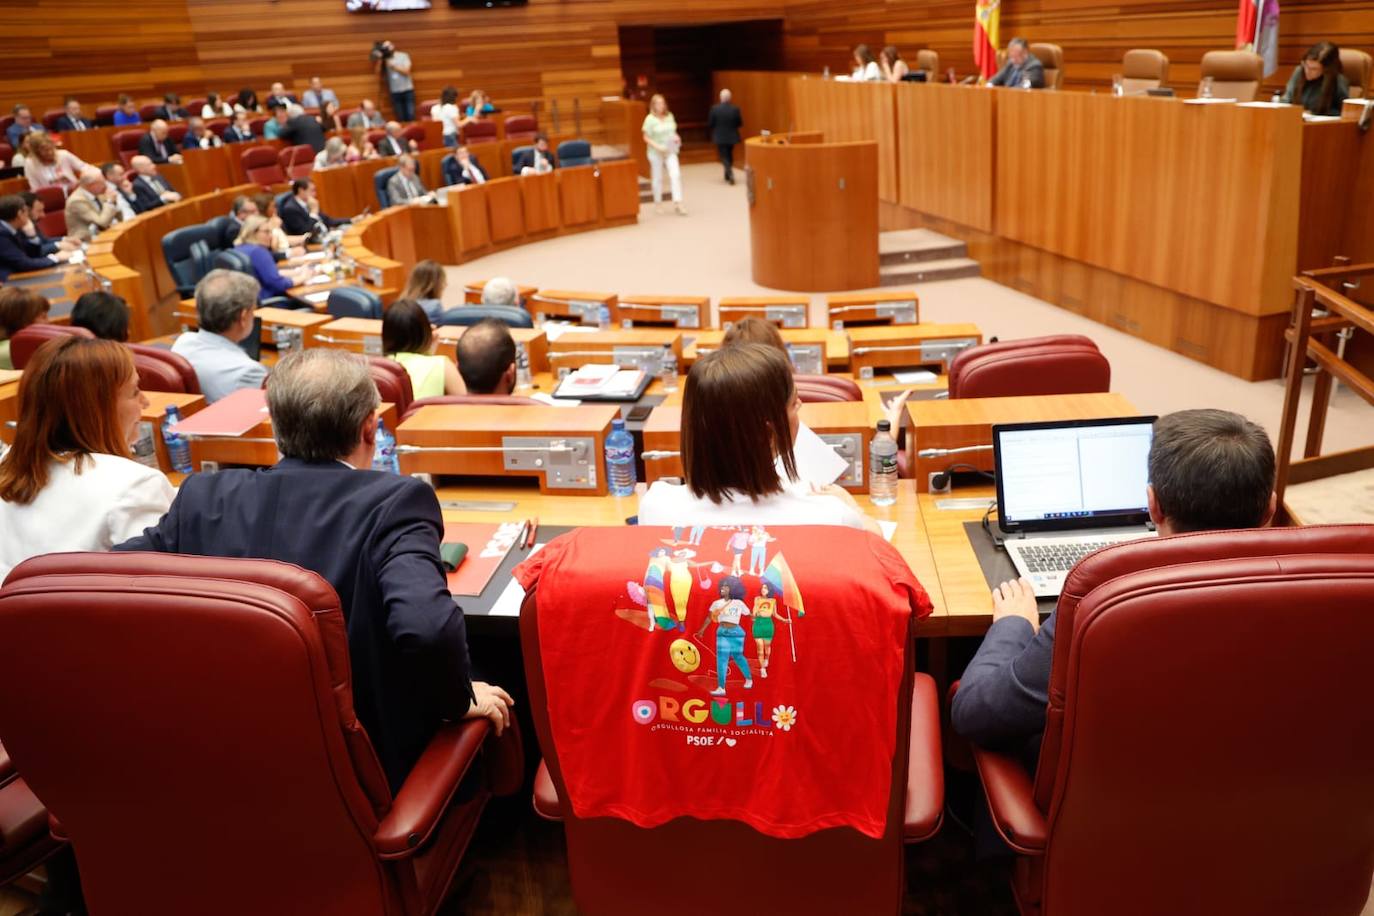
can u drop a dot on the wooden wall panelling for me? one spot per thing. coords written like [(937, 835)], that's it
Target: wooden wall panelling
[(845, 112), (1094, 34), (764, 99), (946, 151), (1335, 217)]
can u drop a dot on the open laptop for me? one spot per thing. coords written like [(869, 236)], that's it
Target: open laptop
[(1067, 488)]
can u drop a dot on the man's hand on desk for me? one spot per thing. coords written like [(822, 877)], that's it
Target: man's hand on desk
[(491, 703), (1016, 599)]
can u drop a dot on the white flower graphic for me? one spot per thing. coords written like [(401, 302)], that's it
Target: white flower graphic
[(784, 717)]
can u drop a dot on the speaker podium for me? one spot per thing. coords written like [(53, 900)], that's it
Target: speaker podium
[(813, 212)]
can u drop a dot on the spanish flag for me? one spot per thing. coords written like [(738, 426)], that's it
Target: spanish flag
[(987, 15), (1257, 29)]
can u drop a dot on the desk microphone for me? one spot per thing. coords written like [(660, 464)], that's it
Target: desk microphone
[(942, 452)]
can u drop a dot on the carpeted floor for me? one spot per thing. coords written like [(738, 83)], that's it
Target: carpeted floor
[(707, 253)]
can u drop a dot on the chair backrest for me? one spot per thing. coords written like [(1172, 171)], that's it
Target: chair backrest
[(1052, 58), (195, 105), (353, 302), (25, 840), (1358, 67), (182, 262), (104, 115), (1057, 364), (218, 126), (375, 135), (176, 132), (346, 113), (423, 110), (574, 152), (1142, 69), (148, 111), (415, 132), (159, 369), (928, 61), (598, 848), (490, 400), (521, 127), (392, 381), (261, 166), (54, 197), (226, 230), (125, 141), (53, 224), (511, 316), (49, 119), (6, 154), (517, 158), (263, 669), (478, 132), (26, 340), (1235, 74), (233, 259), (814, 389), (379, 180), (1192, 717), (257, 124), (297, 161)]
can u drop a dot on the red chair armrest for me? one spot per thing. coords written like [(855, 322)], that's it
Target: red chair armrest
[(6, 766), (429, 788), (1011, 799), (546, 801), (925, 776)]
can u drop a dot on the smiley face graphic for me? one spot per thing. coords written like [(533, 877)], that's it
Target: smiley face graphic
[(684, 655)]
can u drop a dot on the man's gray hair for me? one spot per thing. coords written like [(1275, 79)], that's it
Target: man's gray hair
[(318, 399), (499, 291), (221, 296), (334, 146), (1020, 43)]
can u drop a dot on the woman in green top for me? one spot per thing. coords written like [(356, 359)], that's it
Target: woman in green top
[(408, 339), (19, 308), (1317, 84), (660, 134)]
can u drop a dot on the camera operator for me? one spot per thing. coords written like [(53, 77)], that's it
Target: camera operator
[(396, 67)]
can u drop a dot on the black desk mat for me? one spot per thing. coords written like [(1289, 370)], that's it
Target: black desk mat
[(482, 604), (995, 563)]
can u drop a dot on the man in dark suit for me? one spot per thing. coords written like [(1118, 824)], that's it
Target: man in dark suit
[(1022, 70), (301, 215), (724, 122), (394, 143), (535, 160), (72, 119), (463, 168), (156, 145), (171, 109), (151, 190), (16, 252), (123, 184), (373, 536), (239, 131), (1209, 470), (301, 129)]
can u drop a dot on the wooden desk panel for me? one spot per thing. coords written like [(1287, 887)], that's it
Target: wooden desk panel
[(208, 170), (946, 157), (93, 146), (337, 188), (784, 311), (849, 112), (256, 447), (469, 225), (899, 345), (965, 605), (419, 232), (898, 306), (619, 191), (505, 210), (9, 403), (577, 196), (834, 344), (664, 311), (472, 292), (539, 194), (622, 119)]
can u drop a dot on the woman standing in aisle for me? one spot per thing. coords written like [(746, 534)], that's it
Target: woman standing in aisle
[(660, 134)]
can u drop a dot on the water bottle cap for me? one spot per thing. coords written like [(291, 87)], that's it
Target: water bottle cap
[(173, 411), (381, 425), (617, 424), (884, 426)]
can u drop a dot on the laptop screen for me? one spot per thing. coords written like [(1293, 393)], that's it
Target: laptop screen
[(1072, 474)]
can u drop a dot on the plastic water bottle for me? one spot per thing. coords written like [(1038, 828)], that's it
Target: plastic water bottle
[(145, 449), (620, 459), (667, 372), (522, 366), (882, 459), (384, 458), (603, 317), (178, 449)]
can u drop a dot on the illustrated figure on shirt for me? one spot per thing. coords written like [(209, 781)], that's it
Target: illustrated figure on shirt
[(680, 584), (758, 555), (765, 607), (737, 543), (694, 539), (655, 576), (725, 613), (779, 585)]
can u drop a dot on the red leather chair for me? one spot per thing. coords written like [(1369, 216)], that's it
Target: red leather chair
[(148, 112), (414, 132), (1203, 751), (375, 135), (346, 113), (1057, 364), (257, 124), (750, 872), (25, 841), (6, 155), (218, 126), (392, 381), (234, 753), (297, 161), (104, 115), (422, 111), (50, 117), (824, 388), (491, 400), (176, 132), (53, 224), (160, 369), (54, 197), (194, 106), (125, 143), (477, 132), (26, 340), (521, 127), (261, 166)]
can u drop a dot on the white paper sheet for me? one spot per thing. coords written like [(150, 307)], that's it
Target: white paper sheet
[(313, 256), (817, 462), (321, 296), (914, 376), (512, 596), (319, 278), (889, 529)]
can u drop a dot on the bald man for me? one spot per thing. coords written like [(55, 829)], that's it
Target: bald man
[(156, 145), (724, 122), (151, 190)]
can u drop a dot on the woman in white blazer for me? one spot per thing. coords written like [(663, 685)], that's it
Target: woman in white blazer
[(68, 483)]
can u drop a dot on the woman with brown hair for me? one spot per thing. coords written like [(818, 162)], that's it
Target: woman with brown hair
[(408, 338), (1317, 83), (426, 286), (45, 165), (754, 330), (893, 67), (865, 67), (19, 308), (68, 483), (740, 415)]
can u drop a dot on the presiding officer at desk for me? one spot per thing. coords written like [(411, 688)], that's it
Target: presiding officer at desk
[(1317, 83), (1023, 69), (373, 536)]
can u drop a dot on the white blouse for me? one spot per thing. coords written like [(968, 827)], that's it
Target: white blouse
[(448, 115), (110, 501)]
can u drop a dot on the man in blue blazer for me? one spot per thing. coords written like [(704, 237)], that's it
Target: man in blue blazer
[(374, 536), (72, 119), (16, 252), (1209, 470)]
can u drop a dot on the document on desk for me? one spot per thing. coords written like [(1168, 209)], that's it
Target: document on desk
[(229, 416), (313, 256), (604, 381), (488, 545), (888, 528), (512, 596), (321, 296), (817, 462), (914, 376), (319, 279)]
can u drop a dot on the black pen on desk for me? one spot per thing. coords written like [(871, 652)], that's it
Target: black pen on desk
[(524, 530), (534, 529)]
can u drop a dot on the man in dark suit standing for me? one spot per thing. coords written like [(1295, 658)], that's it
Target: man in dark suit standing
[(1209, 470), (373, 536), (156, 145), (1022, 70), (72, 119), (301, 129), (724, 122), (301, 214)]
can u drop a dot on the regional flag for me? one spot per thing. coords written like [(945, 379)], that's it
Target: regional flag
[(1257, 29), (988, 14)]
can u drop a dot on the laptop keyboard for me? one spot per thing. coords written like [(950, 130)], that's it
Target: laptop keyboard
[(1060, 557)]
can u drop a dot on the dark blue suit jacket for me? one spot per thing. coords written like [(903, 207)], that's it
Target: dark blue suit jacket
[(66, 122), (148, 192), (17, 256), (375, 537), (1005, 689)]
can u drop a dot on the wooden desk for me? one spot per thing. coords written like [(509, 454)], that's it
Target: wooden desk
[(364, 335), (256, 447), (61, 285), (619, 186), (578, 197), (947, 156), (636, 347), (9, 402), (873, 348), (809, 345), (898, 306), (156, 412), (534, 341), (969, 421), (965, 607), (472, 292), (784, 311), (662, 311), (577, 305), (307, 323)]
